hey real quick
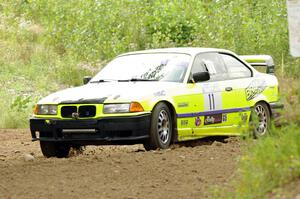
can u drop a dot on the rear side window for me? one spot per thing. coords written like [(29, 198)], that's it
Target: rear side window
[(236, 69), (211, 62)]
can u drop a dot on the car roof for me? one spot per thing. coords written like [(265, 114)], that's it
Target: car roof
[(185, 50)]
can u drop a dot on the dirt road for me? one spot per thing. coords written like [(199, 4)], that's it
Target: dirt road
[(187, 170)]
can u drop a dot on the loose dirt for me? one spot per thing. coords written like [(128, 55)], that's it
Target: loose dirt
[(188, 170)]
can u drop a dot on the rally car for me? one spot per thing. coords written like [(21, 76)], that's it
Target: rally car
[(157, 97)]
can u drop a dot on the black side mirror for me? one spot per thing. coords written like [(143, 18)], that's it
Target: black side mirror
[(201, 77), (86, 79)]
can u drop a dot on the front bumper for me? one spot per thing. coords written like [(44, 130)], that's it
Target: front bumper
[(114, 130)]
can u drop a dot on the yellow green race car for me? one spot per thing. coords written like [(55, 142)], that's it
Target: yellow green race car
[(156, 97)]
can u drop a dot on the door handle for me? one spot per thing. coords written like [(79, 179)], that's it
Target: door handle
[(228, 89)]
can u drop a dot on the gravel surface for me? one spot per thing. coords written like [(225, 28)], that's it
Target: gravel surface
[(188, 170)]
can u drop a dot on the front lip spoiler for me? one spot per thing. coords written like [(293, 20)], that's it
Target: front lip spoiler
[(96, 141), (108, 139)]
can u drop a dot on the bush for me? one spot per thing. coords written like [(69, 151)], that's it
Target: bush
[(266, 164), (92, 30)]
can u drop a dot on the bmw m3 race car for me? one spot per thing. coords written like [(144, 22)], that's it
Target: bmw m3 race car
[(156, 97)]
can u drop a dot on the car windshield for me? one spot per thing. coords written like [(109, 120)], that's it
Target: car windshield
[(170, 67)]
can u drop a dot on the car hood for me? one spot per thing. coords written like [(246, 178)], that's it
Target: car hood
[(108, 92)]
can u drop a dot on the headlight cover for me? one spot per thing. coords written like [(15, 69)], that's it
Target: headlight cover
[(45, 109), (116, 108)]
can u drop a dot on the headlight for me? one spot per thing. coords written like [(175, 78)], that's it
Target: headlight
[(116, 108), (43, 109), (122, 108)]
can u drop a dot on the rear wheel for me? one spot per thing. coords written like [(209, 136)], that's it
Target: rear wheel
[(261, 119), (54, 149), (161, 128)]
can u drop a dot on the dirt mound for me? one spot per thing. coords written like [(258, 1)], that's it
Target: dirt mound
[(187, 170)]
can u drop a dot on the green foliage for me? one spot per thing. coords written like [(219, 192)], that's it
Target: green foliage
[(92, 30), (20, 103), (29, 69), (267, 164), (292, 69), (17, 114)]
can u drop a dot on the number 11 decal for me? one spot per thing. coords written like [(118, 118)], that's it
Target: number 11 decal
[(212, 101), (212, 105)]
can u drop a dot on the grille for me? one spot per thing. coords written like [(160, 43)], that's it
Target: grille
[(87, 111), (83, 111), (66, 111)]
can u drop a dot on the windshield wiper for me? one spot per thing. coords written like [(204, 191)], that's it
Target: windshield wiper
[(101, 80), (136, 80)]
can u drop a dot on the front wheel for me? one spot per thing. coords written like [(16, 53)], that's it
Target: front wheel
[(261, 119), (54, 149), (161, 129)]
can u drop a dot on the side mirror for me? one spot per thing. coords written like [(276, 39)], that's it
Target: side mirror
[(201, 77), (86, 79)]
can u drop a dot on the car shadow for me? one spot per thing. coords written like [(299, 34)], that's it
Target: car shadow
[(202, 141), (193, 143)]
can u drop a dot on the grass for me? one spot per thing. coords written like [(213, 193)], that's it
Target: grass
[(29, 70), (266, 164), (92, 30)]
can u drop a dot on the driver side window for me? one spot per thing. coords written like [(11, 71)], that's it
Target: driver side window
[(212, 63), (198, 65)]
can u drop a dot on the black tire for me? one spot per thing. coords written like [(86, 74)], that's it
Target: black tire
[(161, 129), (54, 149), (260, 120), (62, 150)]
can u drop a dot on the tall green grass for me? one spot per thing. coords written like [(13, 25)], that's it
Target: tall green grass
[(266, 164), (29, 69), (98, 29)]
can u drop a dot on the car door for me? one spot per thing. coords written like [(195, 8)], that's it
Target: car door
[(235, 102), (209, 119)]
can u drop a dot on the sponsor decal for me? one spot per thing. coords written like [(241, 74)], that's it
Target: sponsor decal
[(184, 122), (160, 93), (197, 121), (222, 111), (255, 88), (183, 104), (213, 119)]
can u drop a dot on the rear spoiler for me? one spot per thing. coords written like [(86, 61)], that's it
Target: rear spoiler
[(260, 61)]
